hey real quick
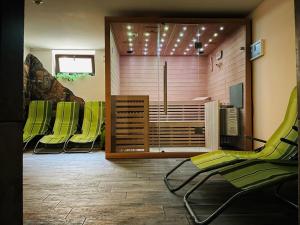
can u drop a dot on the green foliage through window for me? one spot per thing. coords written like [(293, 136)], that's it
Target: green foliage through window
[(71, 76)]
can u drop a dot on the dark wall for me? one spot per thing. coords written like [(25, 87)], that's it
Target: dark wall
[(11, 110)]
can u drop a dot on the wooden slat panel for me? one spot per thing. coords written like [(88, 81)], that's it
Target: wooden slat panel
[(130, 123)]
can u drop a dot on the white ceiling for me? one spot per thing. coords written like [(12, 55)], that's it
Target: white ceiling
[(79, 24)]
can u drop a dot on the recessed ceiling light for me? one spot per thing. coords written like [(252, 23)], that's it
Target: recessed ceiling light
[(130, 44), (164, 34), (162, 40), (146, 39), (129, 27), (178, 40), (187, 49), (130, 39), (176, 45), (221, 28), (194, 39), (215, 34), (173, 49), (198, 35), (203, 28), (184, 28), (181, 34), (129, 33), (172, 53), (191, 45), (210, 40), (166, 28), (184, 53), (146, 34), (205, 45)]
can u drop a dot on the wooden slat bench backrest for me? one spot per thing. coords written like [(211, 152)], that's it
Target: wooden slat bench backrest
[(130, 123)]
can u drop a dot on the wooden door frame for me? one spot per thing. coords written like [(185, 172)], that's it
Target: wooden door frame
[(248, 118)]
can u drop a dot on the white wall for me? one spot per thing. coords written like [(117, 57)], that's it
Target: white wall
[(89, 88), (274, 74)]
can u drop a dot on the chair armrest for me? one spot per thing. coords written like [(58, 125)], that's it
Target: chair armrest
[(287, 141), (256, 139)]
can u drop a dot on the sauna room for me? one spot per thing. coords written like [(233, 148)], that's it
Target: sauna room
[(176, 86)]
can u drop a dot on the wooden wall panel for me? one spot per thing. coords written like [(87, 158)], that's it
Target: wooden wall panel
[(232, 69), (186, 77)]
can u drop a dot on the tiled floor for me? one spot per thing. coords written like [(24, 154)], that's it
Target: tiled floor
[(87, 189)]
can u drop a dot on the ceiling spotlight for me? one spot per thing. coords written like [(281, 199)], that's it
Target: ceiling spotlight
[(146, 39), (194, 39), (146, 34), (130, 39), (181, 34), (221, 28), (215, 34), (166, 28), (205, 45), (184, 53), (129, 27), (191, 45), (178, 40), (210, 40), (130, 44), (38, 2), (184, 28), (187, 49), (198, 35), (176, 45), (162, 40), (203, 28), (164, 34)]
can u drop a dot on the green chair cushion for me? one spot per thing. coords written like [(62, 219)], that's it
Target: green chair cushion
[(93, 119), (65, 125), (38, 120), (273, 149)]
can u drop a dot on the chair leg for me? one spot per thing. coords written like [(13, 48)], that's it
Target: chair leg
[(284, 199), (218, 211), (166, 180), (43, 152)]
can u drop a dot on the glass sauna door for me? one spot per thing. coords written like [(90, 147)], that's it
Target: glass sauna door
[(135, 87)]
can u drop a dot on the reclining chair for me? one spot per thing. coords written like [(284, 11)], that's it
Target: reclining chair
[(91, 128), (38, 120), (65, 126), (279, 146)]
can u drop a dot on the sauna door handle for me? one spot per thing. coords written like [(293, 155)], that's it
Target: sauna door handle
[(166, 88)]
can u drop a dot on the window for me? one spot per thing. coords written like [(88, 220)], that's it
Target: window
[(75, 64)]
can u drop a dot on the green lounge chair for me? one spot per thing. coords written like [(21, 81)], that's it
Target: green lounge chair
[(91, 129), (64, 127), (281, 145), (247, 177), (38, 120)]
